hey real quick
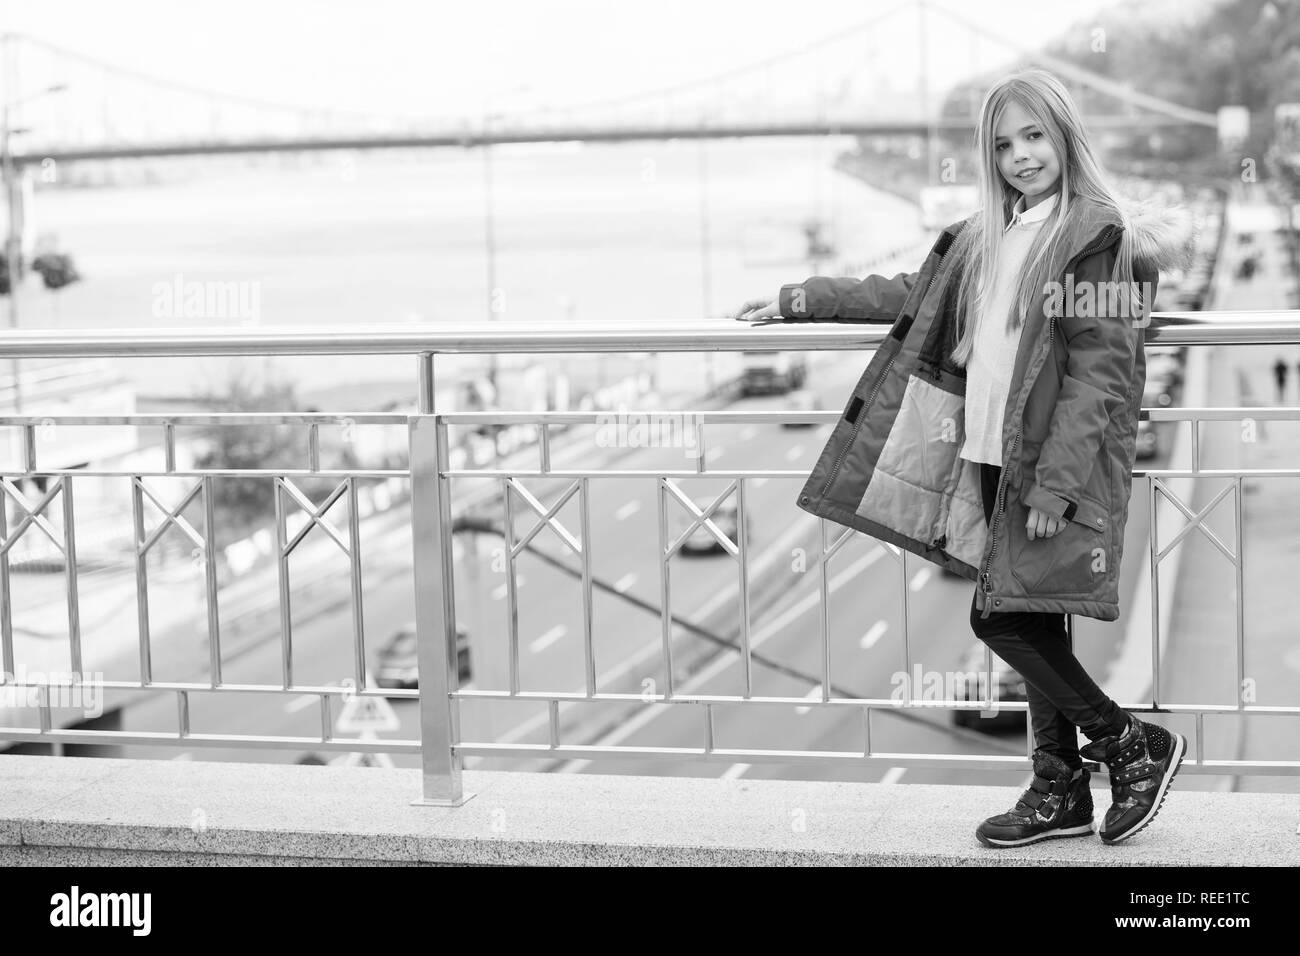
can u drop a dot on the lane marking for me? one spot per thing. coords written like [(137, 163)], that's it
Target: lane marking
[(654, 651), (300, 703), (547, 639), (500, 590), (728, 658), (814, 694), (874, 633)]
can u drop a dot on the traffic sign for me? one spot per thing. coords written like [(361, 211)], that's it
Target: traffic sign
[(367, 715)]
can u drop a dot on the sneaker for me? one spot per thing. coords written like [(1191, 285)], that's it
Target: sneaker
[(1058, 803), (1142, 763)]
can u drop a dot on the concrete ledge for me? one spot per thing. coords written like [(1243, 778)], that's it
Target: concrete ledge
[(87, 812)]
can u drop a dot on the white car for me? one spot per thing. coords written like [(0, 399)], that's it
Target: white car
[(1164, 369), (801, 400), (1157, 394)]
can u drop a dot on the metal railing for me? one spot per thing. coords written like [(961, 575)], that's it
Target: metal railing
[(432, 469)]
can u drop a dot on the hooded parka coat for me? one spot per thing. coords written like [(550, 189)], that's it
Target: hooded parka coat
[(892, 468)]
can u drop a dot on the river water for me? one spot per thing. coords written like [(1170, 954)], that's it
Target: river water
[(607, 233)]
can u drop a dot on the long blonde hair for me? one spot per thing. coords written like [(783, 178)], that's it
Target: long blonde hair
[(1045, 99)]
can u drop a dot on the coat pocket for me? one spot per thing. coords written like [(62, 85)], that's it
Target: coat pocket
[(1074, 560)]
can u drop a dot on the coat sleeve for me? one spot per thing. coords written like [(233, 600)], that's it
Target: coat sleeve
[(873, 299), (1099, 372)]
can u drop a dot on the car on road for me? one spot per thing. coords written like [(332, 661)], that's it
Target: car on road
[(1157, 394), (777, 372), (1010, 686), (1148, 440), (399, 663), (1164, 369), (702, 540), (801, 400)]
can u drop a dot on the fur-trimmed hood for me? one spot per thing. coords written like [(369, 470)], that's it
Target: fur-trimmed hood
[(1164, 235)]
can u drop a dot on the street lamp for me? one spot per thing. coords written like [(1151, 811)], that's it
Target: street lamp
[(489, 213), (13, 237)]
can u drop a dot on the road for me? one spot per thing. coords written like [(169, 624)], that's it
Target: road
[(864, 628), (1200, 664)]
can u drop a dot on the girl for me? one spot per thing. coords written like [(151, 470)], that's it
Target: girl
[(994, 432)]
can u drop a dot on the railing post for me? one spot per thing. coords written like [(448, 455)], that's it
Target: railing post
[(435, 612), (424, 377)]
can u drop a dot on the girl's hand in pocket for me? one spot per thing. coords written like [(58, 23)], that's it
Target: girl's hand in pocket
[(1042, 525), (753, 310)]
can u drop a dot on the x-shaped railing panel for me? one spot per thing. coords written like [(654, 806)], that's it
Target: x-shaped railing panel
[(170, 516), (547, 516), (315, 515), (1196, 521), (33, 514), (701, 517)]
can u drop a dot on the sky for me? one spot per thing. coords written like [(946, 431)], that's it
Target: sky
[(440, 58)]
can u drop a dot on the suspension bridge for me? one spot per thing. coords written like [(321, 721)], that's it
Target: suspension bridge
[(62, 105)]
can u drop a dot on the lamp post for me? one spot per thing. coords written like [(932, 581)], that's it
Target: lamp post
[(12, 187), (13, 246), (489, 215)]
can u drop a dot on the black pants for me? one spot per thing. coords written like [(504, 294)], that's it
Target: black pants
[(1061, 694)]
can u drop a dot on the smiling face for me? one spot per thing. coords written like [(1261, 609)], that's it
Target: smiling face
[(1021, 146)]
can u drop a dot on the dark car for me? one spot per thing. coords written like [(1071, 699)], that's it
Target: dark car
[(1148, 440), (702, 540), (777, 372), (1164, 367), (1010, 687), (399, 664)]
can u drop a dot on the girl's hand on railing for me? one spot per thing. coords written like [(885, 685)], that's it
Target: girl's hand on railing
[(754, 310)]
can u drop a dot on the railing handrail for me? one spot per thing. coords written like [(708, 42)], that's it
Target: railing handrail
[(1250, 327), (431, 471)]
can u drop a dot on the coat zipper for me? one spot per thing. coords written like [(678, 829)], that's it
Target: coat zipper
[(1002, 478), (880, 380)]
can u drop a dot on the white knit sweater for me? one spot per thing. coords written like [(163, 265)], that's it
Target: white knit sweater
[(988, 373)]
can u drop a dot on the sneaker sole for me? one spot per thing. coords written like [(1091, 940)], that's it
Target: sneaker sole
[(1180, 751), (1083, 829)]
